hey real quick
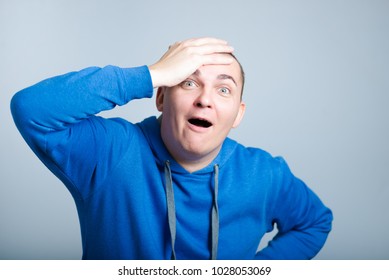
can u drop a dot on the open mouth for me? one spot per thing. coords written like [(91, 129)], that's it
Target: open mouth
[(200, 122)]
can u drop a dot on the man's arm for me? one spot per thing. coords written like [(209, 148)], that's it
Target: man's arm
[(303, 221), (58, 102), (57, 119)]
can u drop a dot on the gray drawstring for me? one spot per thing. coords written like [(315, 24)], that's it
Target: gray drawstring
[(215, 214), (171, 207), (171, 211)]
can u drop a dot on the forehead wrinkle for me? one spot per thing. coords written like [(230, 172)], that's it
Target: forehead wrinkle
[(219, 77), (226, 77)]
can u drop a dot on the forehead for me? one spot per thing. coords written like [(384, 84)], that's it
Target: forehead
[(220, 72)]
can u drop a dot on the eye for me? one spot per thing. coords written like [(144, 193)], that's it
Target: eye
[(224, 91), (188, 84)]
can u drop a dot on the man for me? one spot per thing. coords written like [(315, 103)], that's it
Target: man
[(173, 187)]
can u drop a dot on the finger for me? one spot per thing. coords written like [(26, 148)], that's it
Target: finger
[(204, 41), (191, 50), (204, 45), (214, 48), (198, 42), (222, 59)]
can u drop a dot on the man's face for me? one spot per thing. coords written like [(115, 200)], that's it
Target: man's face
[(198, 114)]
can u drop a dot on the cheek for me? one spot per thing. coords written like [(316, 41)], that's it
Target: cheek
[(180, 103), (175, 107), (227, 114), (169, 103)]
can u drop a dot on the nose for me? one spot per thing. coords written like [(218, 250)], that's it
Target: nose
[(204, 99)]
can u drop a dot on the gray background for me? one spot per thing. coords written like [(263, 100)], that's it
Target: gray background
[(317, 94)]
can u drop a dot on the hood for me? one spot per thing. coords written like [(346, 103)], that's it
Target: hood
[(151, 130)]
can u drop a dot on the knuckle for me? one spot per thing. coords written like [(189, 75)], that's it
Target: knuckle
[(190, 50), (175, 44)]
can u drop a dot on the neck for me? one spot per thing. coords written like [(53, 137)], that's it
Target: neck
[(192, 162), (194, 165)]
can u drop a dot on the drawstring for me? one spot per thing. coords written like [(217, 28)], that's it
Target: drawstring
[(171, 207), (171, 211), (215, 215)]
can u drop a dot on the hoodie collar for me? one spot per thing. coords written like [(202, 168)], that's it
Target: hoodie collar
[(152, 131)]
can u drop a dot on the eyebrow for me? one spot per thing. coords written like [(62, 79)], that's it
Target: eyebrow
[(219, 77)]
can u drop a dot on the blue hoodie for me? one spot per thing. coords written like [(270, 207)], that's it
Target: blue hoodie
[(135, 201)]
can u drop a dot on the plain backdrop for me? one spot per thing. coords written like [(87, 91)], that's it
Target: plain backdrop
[(316, 92)]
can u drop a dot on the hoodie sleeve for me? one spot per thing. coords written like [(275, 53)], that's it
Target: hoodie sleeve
[(303, 221), (56, 117)]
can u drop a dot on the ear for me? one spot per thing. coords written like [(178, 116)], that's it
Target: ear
[(160, 97), (239, 116)]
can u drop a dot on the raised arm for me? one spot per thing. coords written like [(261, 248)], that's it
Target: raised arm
[(57, 117), (56, 103)]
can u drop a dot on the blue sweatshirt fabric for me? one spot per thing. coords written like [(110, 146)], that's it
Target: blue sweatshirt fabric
[(116, 173)]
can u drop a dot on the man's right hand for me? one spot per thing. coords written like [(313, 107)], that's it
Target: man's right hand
[(183, 58)]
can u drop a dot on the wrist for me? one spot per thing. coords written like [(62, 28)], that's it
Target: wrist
[(155, 77)]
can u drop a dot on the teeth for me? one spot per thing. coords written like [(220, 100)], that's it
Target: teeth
[(200, 122)]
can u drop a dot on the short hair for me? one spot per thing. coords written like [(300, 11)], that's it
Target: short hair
[(241, 73)]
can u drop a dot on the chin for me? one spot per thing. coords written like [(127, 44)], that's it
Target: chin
[(199, 151), (196, 151)]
